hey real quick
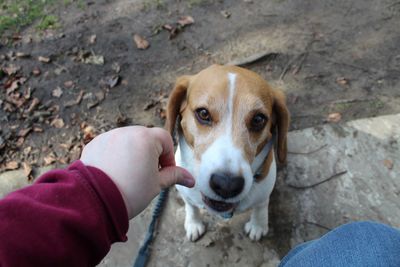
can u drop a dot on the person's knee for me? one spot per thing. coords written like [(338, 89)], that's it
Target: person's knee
[(353, 244), (368, 228)]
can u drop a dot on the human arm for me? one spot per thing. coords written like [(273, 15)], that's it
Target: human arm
[(71, 217)]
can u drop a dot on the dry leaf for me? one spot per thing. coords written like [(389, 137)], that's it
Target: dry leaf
[(342, 81), (54, 109), (122, 120), (75, 152), (168, 27), (20, 141), (88, 133), (57, 92), (36, 71), (100, 95), (64, 160), (151, 104), (2, 142), (12, 165), (57, 71), (92, 39), (27, 150), (28, 93), (27, 169), (49, 159), (116, 67), (24, 132), (57, 123), (33, 105), (141, 43), (22, 55), (44, 59), (92, 104), (110, 81), (226, 14), (388, 163), (186, 20), (66, 146), (14, 86), (68, 84), (162, 113), (37, 129), (124, 82), (16, 99), (77, 101), (11, 69), (94, 59), (334, 117)]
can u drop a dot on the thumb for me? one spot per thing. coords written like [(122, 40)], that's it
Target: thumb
[(175, 175)]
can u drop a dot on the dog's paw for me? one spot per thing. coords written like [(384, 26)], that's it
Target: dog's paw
[(254, 231), (194, 230)]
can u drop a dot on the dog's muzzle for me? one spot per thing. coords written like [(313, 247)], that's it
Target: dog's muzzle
[(225, 185)]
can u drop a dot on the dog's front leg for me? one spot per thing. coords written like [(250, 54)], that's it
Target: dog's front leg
[(257, 227), (194, 227)]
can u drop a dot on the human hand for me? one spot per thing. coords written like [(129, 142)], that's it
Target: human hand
[(139, 160)]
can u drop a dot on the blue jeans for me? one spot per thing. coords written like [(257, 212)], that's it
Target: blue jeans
[(354, 244)]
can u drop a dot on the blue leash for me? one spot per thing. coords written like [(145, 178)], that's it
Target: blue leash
[(144, 251)]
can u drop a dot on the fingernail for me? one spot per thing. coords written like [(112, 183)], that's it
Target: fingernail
[(188, 179), (189, 182)]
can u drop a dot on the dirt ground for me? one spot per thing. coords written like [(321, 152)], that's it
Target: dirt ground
[(328, 56), (338, 58)]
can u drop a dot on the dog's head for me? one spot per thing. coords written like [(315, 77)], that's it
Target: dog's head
[(227, 115)]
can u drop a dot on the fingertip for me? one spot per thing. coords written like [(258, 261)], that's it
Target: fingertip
[(187, 179)]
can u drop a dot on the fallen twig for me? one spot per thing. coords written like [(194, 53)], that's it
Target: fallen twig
[(351, 100), (301, 62), (253, 59), (308, 152), (286, 68), (318, 225), (318, 183), (352, 66)]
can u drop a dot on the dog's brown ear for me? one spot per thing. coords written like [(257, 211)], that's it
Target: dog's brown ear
[(282, 122), (175, 101)]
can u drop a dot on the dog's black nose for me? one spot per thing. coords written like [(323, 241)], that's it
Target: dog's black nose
[(225, 185)]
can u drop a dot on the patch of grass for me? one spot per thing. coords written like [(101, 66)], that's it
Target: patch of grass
[(192, 3), (342, 106), (48, 22), (81, 4), (377, 104), (149, 4), (16, 14), (374, 104)]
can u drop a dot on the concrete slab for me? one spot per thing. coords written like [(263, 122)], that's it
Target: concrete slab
[(360, 164), (336, 173), (16, 179)]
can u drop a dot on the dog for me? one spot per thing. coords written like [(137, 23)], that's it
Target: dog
[(227, 119)]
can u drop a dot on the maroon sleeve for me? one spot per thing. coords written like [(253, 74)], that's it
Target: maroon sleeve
[(67, 218)]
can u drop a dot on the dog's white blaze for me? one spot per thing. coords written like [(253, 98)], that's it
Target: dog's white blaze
[(232, 79), (223, 155)]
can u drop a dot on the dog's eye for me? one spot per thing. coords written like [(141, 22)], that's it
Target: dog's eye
[(258, 122), (203, 116)]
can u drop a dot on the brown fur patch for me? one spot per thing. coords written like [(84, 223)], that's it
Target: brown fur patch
[(265, 166)]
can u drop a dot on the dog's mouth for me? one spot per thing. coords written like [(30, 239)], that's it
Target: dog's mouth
[(219, 206)]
